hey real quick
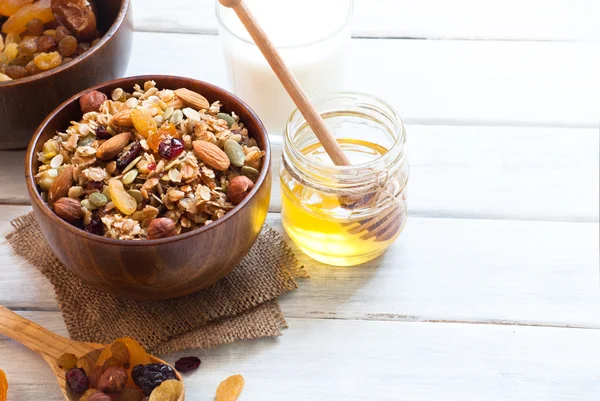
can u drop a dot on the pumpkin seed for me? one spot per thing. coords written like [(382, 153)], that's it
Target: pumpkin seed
[(132, 164), (234, 152), (136, 194), (86, 203), (226, 117), (168, 112), (250, 172), (176, 117), (56, 161), (129, 177), (97, 199)]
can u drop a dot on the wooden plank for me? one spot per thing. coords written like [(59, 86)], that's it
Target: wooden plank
[(433, 82), (318, 359), (433, 19), (471, 172), (540, 273)]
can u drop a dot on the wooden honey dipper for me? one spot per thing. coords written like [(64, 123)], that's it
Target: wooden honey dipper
[(386, 224)]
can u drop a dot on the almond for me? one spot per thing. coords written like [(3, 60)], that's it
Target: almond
[(60, 186), (192, 99), (212, 155), (113, 146), (68, 209), (122, 119)]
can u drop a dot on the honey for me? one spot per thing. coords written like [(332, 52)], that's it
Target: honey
[(345, 215)]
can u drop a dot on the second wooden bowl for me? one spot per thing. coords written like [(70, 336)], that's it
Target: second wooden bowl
[(162, 268)]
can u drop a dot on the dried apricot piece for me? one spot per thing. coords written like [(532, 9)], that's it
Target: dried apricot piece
[(167, 130), (3, 386), (143, 122), (17, 23), (230, 388), (120, 353), (9, 7)]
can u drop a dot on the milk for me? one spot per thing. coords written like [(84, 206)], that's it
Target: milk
[(311, 36)]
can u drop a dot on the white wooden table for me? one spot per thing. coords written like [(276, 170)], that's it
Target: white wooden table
[(492, 291)]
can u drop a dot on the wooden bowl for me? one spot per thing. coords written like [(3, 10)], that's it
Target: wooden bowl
[(25, 102), (162, 268)]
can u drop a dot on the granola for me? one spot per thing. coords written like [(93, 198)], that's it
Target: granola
[(153, 155)]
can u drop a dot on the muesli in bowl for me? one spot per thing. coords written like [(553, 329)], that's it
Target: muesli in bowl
[(148, 164)]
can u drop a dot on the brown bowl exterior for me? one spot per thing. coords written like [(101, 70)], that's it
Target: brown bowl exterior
[(25, 102), (163, 268)]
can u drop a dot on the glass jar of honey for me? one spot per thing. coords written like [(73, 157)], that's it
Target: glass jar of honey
[(345, 215)]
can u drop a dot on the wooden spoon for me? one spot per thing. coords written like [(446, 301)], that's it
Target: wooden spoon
[(385, 225), (51, 346)]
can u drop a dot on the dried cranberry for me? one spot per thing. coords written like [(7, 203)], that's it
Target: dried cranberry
[(148, 377), (93, 186), (151, 166), (102, 133), (187, 364), (96, 226), (170, 148), (127, 155), (77, 380)]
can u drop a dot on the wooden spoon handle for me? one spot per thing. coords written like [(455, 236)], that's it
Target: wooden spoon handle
[(289, 82), (33, 336)]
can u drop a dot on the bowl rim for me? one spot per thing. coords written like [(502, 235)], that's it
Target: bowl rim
[(118, 22), (36, 199)]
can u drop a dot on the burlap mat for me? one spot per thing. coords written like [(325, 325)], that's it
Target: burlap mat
[(241, 306)]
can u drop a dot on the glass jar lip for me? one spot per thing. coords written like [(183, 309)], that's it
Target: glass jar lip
[(347, 169), (347, 20)]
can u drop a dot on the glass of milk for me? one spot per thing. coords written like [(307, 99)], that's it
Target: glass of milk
[(312, 36)]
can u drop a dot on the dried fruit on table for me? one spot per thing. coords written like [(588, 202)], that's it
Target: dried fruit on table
[(230, 388), (77, 380), (148, 377), (67, 361), (77, 16), (143, 122), (187, 364), (17, 23), (3, 385), (47, 61), (9, 7), (122, 200), (169, 390)]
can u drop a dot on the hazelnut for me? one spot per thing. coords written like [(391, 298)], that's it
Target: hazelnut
[(238, 188), (113, 380), (161, 228), (68, 209), (91, 101)]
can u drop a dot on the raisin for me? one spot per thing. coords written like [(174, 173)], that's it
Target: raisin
[(32, 68), (170, 148), (16, 71), (230, 388), (143, 122), (61, 32), (82, 48), (18, 21), (28, 46), (67, 46), (148, 377), (96, 226), (77, 380), (130, 394), (168, 390), (102, 133), (46, 44), (122, 200), (128, 154), (93, 186), (35, 27), (187, 364), (67, 361), (46, 61)]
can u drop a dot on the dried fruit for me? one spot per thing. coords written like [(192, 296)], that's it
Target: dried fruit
[(161, 227), (148, 377), (3, 385), (187, 363), (35, 27), (113, 380), (192, 99), (77, 16), (46, 44), (230, 388), (113, 146), (47, 61), (77, 380), (122, 200), (86, 396), (238, 188), (28, 46), (128, 155), (130, 394), (91, 101), (16, 71), (143, 122), (98, 396), (234, 152), (67, 361), (9, 7), (166, 131), (102, 133), (17, 23), (169, 390), (95, 226), (119, 351), (60, 186), (170, 148), (212, 155)]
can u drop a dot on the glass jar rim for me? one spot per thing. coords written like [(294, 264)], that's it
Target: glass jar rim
[(348, 170), (346, 21)]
